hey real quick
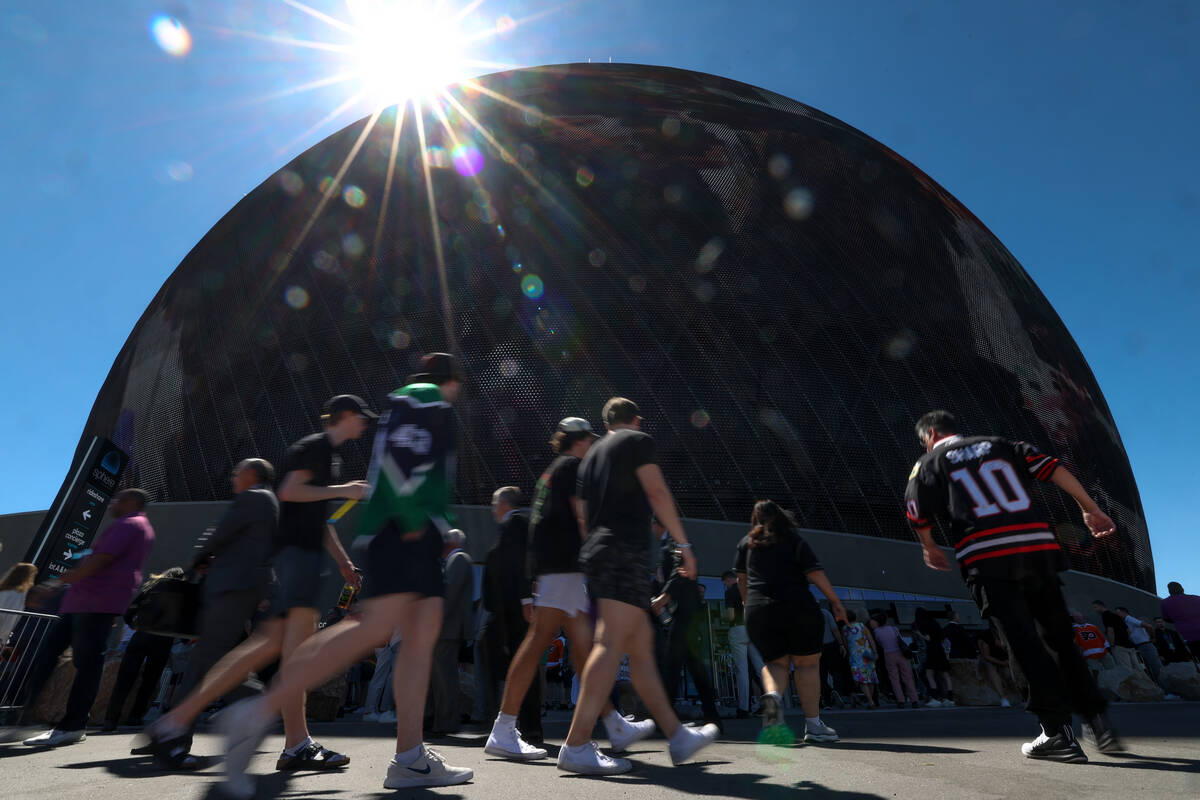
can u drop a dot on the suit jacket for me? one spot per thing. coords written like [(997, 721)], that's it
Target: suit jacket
[(504, 578), (243, 542), (457, 615)]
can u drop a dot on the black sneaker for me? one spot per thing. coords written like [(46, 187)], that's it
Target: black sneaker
[(772, 712), (173, 753), (312, 757), (1058, 744), (1100, 732)]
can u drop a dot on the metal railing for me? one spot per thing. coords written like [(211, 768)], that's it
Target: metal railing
[(19, 653)]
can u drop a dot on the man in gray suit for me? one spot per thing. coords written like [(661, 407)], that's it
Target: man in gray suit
[(456, 629), (238, 554)]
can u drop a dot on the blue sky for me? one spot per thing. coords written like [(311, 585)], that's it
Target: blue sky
[(1070, 131)]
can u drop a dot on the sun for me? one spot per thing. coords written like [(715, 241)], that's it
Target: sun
[(406, 50)]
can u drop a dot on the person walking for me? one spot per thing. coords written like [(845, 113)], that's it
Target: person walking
[(683, 649), (1141, 633), (619, 488), (98, 591), (774, 567), (895, 660), (408, 506), (559, 597), (741, 650), (1183, 610), (444, 689), (1011, 562), (1117, 632)]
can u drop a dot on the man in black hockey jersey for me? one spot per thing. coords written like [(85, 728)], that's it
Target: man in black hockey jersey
[(1010, 559)]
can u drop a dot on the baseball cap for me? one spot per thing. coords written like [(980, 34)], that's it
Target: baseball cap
[(437, 368), (348, 402), (576, 425)]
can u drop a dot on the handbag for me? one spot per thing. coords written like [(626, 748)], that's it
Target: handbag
[(166, 607)]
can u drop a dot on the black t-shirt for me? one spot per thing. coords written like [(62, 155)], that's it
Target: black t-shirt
[(303, 524), (1120, 630), (554, 532), (777, 573), (733, 601), (608, 483), (981, 485)]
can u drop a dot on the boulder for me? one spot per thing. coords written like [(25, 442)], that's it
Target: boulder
[(49, 706), (1132, 686), (971, 686), (1182, 679), (326, 700)]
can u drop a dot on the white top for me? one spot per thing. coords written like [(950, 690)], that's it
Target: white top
[(1137, 634), (10, 600)]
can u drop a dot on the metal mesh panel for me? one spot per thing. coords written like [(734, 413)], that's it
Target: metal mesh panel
[(782, 295)]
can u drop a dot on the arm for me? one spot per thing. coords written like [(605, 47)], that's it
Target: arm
[(741, 579), (1096, 520), (580, 507), (333, 545), (934, 557), (230, 524), (296, 488), (94, 563), (818, 579), (663, 505)]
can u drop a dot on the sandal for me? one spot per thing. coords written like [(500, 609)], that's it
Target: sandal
[(313, 757)]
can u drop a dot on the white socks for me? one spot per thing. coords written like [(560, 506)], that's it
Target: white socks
[(291, 751), (812, 722), (408, 756), (507, 720)]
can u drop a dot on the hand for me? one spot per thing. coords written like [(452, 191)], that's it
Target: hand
[(354, 490), (688, 568), (839, 613), (352, 577), (527, 612), (936, 559), (658, 604), (1099, 523)]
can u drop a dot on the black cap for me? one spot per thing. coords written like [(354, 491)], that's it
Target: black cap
[(348, 402), (437, 368)]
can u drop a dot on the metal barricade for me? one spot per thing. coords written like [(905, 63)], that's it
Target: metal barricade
[(19, 654)]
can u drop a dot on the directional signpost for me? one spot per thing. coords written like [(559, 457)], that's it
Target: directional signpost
[(70, 527)]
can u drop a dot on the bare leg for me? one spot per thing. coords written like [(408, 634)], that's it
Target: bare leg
[(300, 624), (420, 624), (808, 683), (579, 634), (263, 647), (643, 672), (615, 635), (545, 625), (775, 676), (869, 691)]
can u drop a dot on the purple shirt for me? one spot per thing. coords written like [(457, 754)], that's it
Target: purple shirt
[(888, 637), (109, 591), (1184, 611)]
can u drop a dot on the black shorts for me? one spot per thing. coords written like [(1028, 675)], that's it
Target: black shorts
[(297, 580), (393, 566), (785, 629), (616, 569)]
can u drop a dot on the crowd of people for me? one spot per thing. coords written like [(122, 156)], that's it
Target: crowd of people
[(576, 576)]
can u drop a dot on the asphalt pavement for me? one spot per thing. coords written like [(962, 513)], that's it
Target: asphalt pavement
[(929, 754)]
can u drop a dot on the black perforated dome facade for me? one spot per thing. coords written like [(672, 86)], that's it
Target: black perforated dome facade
[(781, 294)]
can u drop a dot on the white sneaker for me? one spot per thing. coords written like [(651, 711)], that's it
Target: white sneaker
[(1004, 703), (588, 760), (819, 732), (1169, 696), (688, 741), (933, 703), (624, 733), (387, 717), (56, 738), (505, 741), (430, 769), (243, 726), (371, 716)]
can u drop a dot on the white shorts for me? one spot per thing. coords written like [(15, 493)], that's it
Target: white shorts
[(566, 591)]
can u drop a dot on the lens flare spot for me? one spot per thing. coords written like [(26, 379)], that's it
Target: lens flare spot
[(290, 182), (775, 743), (700, 418), (637, 283), (509, 368), (798, 204), (532, 287), (325, 184), (180, 171), (671, 127), (170, 35), (468, 160), (709, 253), (779, 167), (296, 297), (584, 177), (901, 345), (352, 245), (597, 257), (324, 261), (518, 267), (399, 339), (436, 156), (354, 196), (505, 25)]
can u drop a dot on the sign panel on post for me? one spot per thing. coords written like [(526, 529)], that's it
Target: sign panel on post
[(73, 523)]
